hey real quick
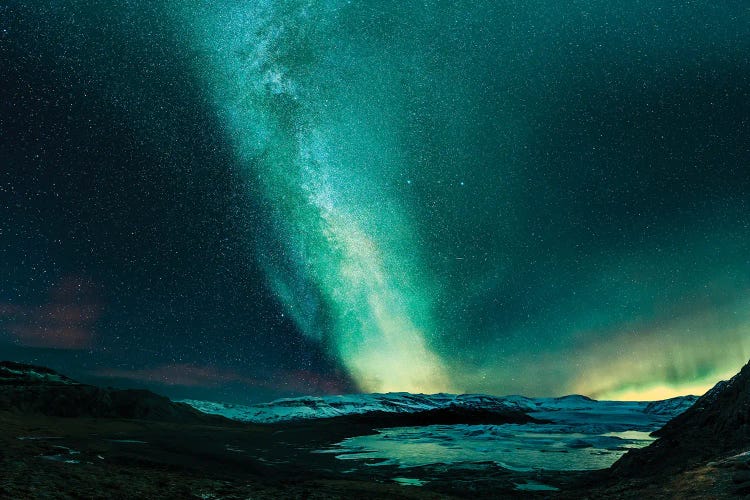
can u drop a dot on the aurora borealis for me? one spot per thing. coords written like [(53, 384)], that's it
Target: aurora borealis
[(289, 197)]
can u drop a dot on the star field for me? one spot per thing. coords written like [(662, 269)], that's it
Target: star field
[(241, 201)]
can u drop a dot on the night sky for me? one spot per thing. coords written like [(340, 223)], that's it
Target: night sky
[(244, 200)]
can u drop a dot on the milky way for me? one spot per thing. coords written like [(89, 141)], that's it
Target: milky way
[(488, 196), (348, 267)]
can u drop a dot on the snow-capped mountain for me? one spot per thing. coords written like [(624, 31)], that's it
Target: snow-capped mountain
[(19, 373), (311, 407), (567, 408), (672, 406)]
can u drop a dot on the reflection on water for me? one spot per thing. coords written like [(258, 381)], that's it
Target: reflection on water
[(632, 435), (522, 448), (535, 486)]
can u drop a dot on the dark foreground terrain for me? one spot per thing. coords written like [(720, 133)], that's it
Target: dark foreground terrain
[(61, 439)]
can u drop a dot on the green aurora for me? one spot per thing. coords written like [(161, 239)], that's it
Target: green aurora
[(500, 197)]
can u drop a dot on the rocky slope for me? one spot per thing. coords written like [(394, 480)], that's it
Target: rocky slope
[(717, 424), (701, 453)]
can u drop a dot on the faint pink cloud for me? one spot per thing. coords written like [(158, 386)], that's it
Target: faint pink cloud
[(66, 321)]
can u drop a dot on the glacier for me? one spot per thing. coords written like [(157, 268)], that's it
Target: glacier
[(573, 409)]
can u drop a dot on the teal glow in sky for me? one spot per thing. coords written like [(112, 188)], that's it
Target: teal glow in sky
[(494, 196)]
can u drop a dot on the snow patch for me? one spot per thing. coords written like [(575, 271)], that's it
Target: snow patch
[(534, 486), (65, 456), (408, 481)]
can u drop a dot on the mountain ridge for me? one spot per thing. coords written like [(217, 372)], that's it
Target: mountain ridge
[(31, 389), (321, 407)]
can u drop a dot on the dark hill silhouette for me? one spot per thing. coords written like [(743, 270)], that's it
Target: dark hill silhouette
[(717, 424), (40, 390)]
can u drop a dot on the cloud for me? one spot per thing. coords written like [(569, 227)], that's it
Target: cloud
[(66, 321)]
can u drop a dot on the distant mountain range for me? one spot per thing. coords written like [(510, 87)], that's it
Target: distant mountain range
[(304, 408)]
